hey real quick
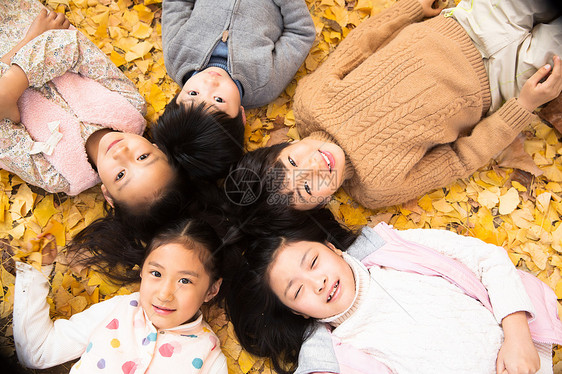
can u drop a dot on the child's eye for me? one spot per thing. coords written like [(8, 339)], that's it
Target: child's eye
[(298, 291), (307, 188), (219, 99), (156, 273), (292, 162), (185, 281), (313, 262), (192, 93), (120, 175), (143, 157)]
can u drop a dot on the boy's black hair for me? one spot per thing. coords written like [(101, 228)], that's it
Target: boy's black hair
[(202, 142), (264, 325)]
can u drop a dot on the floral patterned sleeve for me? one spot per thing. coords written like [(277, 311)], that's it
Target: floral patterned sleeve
[(3, 68), (55, 52), (15, 145)]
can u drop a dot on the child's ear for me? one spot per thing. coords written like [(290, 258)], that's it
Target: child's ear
[(243, 114), (334, 249), (213, 290), (107, 196)]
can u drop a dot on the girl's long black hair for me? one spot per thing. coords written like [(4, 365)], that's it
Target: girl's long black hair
[(200, 145), (264, 325)]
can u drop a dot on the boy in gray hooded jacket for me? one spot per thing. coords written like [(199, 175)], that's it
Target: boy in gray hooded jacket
[(230, 53)]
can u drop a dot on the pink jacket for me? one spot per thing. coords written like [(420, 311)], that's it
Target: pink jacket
[(404, 255), (90, 102)]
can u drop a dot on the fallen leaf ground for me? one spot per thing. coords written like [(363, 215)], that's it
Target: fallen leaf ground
[(503, 206)]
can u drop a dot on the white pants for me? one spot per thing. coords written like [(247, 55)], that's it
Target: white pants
[(515, 38)]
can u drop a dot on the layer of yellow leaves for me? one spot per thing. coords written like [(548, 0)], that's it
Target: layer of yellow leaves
[(501, 206)]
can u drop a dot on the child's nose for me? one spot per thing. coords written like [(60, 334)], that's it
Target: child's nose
[(313, 162), (166, 292), (320, 284), (123, 150), (211, 81)]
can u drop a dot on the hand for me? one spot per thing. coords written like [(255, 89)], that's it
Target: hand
[(536, 93), (431, 8), (43, 22), (517, 357), (46, 21), (49, 251), (517, 354)]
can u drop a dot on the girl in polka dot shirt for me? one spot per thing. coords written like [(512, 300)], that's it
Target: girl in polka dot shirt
[(156, 330)]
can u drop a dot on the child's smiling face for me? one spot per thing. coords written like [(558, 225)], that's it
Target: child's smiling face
[(312, 279), (315, 171), (132, 169), (214, 87), (174, 285)]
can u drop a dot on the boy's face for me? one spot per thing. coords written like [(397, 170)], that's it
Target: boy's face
[(214, 87), (174, 285), (315, 171), (312, 279), (132, 169)]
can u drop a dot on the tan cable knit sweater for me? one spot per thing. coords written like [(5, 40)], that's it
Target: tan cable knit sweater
[(405, 101)]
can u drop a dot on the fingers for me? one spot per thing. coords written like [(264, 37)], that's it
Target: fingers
[(500, 366), (556, 71), (553, 84), (59, 20), (439, 4), (539, 75)]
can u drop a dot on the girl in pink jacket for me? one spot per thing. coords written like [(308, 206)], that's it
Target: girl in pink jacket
[(414, 301), (70, 119)]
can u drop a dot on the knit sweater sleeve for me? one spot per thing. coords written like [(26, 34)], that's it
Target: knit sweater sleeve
[(56, 52), (40, 342), (371, 35), (489, 263), (445, 163)]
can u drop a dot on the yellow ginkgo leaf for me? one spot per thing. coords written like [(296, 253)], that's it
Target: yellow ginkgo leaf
[(44, 210), (488, 198), (246, 361), (141, 31), (509, 201), (138, 50)]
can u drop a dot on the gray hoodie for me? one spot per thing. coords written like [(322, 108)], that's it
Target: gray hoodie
[(267, 41)]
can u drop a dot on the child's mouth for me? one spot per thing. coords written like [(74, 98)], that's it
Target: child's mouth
[(161, 310), (328, 158), (112, 144), (334, 290)]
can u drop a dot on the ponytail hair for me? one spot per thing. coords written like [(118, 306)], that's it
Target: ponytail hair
[(202, 142), (263, 324)]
